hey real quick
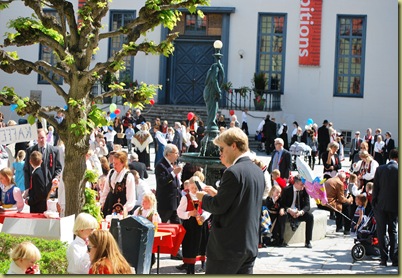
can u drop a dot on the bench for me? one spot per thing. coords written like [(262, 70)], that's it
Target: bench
[(319, 228)]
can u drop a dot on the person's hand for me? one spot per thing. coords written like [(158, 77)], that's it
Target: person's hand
[(210, 190), (177, 169), (282, 212), (55, 182), (200, 195)]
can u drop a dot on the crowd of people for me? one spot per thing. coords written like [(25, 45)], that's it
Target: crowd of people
[(120, 154)]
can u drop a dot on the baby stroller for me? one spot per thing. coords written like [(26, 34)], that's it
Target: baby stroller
[(366, 241)]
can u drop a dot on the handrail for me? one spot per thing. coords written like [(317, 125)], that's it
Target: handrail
[(239, 99)]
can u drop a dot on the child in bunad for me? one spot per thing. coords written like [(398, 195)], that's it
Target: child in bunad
[(193, 216), (148, 209), (10, 194), (361, 202), (272, 203)]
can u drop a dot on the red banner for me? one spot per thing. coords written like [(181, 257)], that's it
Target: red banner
[(310, 32)]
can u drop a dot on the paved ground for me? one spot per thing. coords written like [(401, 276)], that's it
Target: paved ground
[(331, 255)]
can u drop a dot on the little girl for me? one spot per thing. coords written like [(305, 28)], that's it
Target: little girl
[(361, 202), (18, 167), (148, 208), (272, 203), (193, 216), (77, 252), (11, 195), (49, 136), (24, 259)]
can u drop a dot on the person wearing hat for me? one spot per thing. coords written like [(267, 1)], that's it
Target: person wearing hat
[(355, 147), (388, 146), (323, 139)]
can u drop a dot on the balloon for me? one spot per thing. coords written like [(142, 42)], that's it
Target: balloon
[(310, 121), (112, 115), (190, 116), (152, 102), (65, 107), (112, 107), (117, 111), (231, 112), (13, 107)]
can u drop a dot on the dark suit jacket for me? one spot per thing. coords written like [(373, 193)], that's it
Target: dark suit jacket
[(385, 189), (178, 139), (38, 193), (284, 163), (337, 165), (286, 199), (323, 138), (355, 147), (167, 187), (388, 147), (51, 165), (236, 210), (140, 167)]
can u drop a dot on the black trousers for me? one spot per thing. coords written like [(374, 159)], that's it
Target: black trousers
[(387, 221), (167, 215), (341, 222)]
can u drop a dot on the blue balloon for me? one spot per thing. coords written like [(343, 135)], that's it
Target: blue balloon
[(112, 115), (310, 121), (65, 107), (13, 107)]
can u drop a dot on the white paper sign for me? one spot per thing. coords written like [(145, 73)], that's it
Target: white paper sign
[(18, 133)]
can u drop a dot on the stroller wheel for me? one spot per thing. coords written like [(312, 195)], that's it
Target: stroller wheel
[(358, 252)]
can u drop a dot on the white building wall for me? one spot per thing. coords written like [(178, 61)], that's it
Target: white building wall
[(308, 91)]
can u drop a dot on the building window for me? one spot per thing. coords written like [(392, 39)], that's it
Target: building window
[(46, 54), (117, 20), (193, 25), (349, 57), (271, 44)]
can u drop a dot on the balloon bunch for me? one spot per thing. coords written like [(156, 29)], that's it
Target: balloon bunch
[(114, 111)]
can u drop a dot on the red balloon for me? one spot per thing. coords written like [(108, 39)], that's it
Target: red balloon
[(231, 112), (152, 102), (190, 116), (117, 111)]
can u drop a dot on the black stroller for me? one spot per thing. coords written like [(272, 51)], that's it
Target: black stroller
[(366, 241)]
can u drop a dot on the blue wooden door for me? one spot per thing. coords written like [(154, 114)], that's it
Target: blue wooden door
[(189, 65)]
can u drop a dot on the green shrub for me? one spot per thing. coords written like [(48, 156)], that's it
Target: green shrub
[(53, 252)]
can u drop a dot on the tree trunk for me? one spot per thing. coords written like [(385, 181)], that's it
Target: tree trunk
[(73, 177)]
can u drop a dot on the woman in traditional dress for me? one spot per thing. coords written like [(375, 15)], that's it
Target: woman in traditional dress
[(141, 141)]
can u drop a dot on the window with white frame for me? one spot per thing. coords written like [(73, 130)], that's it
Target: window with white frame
[(271, 44), (349, 57)]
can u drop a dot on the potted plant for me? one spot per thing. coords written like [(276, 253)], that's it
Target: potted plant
[(242, 91), (260, 83)]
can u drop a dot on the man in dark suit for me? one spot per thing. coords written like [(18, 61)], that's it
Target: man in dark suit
[(280, 159), (236, 208), (355, 147), (385, 206), (168, 192), (37, 195), (389, 144), (296, 203), (51, 165), (323, 139), (140, 167), (269, 130)]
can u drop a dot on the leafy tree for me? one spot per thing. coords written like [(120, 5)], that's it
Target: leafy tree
[(73, 42)]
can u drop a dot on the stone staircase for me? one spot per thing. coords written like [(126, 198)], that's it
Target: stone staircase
[(176, 113)]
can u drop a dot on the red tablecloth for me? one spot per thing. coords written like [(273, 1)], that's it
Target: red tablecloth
[(14, 214), (169, 244)]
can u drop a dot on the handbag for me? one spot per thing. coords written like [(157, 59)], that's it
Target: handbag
[(120, 135)]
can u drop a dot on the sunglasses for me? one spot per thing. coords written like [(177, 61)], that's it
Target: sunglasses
[(89, 248)]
